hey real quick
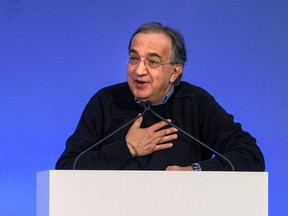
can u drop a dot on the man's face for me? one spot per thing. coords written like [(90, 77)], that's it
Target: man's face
[(147, 81)]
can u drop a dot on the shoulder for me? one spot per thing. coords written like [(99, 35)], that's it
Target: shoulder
[(120, 91), (188, 90), (112, 89), (107, 96)]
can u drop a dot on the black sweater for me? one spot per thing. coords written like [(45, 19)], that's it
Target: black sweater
[(190, 108)]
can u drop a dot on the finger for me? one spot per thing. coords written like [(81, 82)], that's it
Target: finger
[(173, 168), (178, 168), (163, 146), (170, 168), (166, 131), (167, 138), (137, 123), (157, 126)]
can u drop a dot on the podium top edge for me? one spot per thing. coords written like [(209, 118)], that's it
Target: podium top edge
[(149, 171)]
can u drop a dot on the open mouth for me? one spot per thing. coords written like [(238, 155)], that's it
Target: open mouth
[(140, 82)]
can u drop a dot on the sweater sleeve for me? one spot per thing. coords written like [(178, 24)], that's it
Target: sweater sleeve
[(113, 156), (220, 132)]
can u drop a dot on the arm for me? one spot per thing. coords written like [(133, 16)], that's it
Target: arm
[(219, 130), (212, 125), (96, 123)]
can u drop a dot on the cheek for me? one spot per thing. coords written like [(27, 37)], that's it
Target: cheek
[(160, 77), (157, 75), (130, 72)]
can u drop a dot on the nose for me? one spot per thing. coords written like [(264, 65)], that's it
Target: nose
[(141, 68)]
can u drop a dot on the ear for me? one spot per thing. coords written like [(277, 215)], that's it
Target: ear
[(177, 70)]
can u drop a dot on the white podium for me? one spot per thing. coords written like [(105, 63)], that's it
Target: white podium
[(151, 193)]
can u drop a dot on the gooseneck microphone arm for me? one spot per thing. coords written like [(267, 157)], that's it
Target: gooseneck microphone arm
[(109, 135), (148, 107)]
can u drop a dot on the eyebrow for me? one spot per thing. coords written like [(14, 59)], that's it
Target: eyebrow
[(152, 54), (133, 51)]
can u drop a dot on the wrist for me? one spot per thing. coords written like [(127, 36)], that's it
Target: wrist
[(132, 150)]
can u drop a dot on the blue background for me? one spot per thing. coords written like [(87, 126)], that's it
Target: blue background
[(55, 54)]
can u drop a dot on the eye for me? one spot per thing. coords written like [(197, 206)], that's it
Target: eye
[(153, 62), (133, 59)]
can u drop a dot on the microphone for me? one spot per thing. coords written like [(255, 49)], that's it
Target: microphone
[(111, 134), (148, 107)]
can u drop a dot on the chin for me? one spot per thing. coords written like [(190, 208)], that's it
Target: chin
[(139, 94)]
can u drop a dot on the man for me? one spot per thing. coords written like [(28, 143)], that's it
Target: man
[(156, 60)]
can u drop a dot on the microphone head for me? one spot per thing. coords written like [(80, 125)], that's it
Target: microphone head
[(148, 103)]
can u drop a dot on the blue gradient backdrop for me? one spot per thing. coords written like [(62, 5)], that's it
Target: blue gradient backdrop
[(54, 55)]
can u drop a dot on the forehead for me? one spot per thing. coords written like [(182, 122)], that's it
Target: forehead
[(151, 42)]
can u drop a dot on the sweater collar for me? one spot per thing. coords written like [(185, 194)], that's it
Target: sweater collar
[(164, 99)]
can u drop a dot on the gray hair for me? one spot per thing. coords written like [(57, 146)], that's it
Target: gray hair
[(178, 43)]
